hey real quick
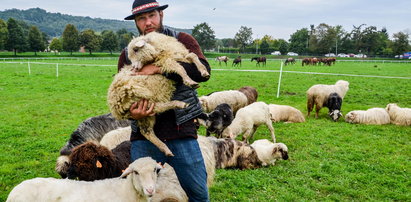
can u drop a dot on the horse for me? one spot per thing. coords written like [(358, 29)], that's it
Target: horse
[(289, 60), (306, 61), (236, 61), (259, 59), (222, 59)]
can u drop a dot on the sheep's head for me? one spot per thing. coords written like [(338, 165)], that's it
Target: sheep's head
[(141, 51), (143, 173), (280, 151), (335, 114), (391, 106), (203, 102), (350, 117), (228, 133)]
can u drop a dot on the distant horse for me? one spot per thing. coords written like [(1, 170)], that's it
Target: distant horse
[(259, 59), (236, 61), (289, 61), (222, 59)]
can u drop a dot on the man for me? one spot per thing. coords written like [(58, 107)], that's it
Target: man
[(174, 127)]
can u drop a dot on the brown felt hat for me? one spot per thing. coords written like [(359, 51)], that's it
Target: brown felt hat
[(143, 6)]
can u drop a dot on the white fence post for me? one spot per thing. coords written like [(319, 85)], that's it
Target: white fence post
[(279, 80), (57, 69), (28, 63)]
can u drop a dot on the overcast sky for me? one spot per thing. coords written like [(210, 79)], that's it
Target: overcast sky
[(277, 18)]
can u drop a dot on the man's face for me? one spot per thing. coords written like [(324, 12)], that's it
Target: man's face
[(149, 22)]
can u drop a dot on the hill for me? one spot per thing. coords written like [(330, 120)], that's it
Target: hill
[(53, 24)]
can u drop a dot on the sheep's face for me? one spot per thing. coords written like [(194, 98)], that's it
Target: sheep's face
[(391, 106), (214, 123), (280, 151), (141, 52), (335, 115), (350, 117), (227, 133)]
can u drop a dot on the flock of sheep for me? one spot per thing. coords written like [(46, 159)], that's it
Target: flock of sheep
[(98, 151)]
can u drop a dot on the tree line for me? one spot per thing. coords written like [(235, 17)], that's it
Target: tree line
[(316, 40)]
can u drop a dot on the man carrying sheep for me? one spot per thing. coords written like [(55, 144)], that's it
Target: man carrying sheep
[(176, 128)]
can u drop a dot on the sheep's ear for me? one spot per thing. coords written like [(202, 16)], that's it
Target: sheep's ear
[(275, 150), (126, 172)]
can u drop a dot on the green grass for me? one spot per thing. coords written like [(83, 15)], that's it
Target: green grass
[(332, 161)]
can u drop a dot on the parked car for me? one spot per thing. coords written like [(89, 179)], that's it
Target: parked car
[(360, 55), (329, 55), (343, 55), (276, 53), (292, 54)]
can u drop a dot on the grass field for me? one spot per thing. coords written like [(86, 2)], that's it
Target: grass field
[(328, 160)]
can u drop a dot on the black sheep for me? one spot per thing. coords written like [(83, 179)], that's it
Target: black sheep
[(333, 104), (217, 120)]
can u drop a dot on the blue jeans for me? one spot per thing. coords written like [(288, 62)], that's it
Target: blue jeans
[(187, 162)]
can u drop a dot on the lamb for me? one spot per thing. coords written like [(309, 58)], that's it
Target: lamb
[(285, 113), (165, 52), (217, 120), (234, 98), (92, 129), (333, 104), (269, 152), (143, 179), (376, 116), (398, 115), (247, 121), (91, 161), (318, 95)]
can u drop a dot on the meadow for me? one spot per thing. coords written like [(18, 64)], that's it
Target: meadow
[(329, 161)]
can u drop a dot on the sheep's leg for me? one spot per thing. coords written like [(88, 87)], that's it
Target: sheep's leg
[(247, 134), (146, 128), (164, 106), (310, 105), (201, 68), (271, 128), (317, 110), (171, 65)]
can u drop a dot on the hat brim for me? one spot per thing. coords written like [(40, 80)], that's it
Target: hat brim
[(131, 17)]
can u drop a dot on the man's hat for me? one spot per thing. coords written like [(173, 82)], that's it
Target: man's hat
[(143, 6)]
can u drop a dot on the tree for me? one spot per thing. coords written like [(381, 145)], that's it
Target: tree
[(56, 45), (243, 37), (16, 40), (124, 37), (298, 41), (204, 35), (264, 47), (70, 39), (4, 34), (110, 41), (400, 43), (89, 40), (35, 40)]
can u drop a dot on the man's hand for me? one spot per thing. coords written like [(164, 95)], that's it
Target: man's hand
[(142, 109), (148, 69)]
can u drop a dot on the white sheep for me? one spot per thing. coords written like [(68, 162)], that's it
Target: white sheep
[(234, 98), (376, 116), (318, 95), (115, 137), (164, 52), (269, 152), (285, 113), (143, 178), (247, 121), (398, 115)]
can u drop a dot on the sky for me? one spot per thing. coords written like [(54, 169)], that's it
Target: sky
[(276, 18)]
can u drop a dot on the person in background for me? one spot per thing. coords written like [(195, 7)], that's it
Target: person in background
[(176, 128)]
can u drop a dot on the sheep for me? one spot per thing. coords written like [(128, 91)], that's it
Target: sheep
[(217, 120), (285, 113), (250, 92), (318, 94), (333, 104), (143, 178), (93, 128), (91, 161), (115, 137), (269, 152), (248, 119), (376, 116), (398, 115), (234, 98), (164, 52)]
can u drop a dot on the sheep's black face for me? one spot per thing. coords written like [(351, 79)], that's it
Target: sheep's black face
[(335, 115), (215, 122)]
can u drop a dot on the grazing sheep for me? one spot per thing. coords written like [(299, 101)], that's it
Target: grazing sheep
[(333, 104), (217, 120), (164, 52), (141, 182), (247, 121), (91, 161), (318, 95), (269, 152), (92, 129), (250, 92), (234, 98), (285, 113), (398, 115), (115, 137), (376, 116)]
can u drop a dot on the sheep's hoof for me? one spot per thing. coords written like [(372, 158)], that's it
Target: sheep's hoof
[(205, 75), (169, 154)]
